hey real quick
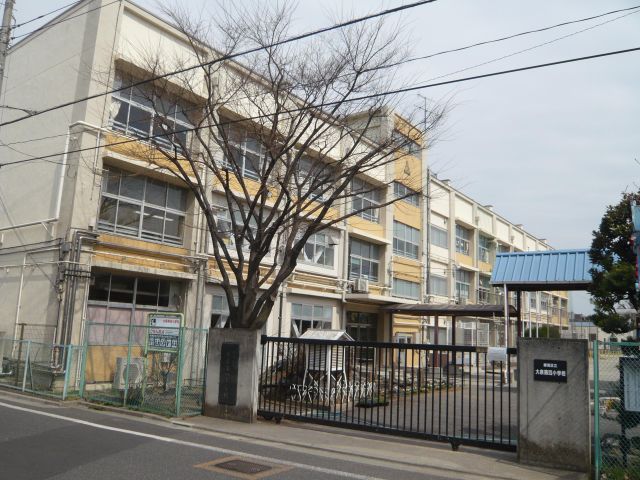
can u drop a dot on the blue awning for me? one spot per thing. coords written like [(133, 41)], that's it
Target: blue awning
[(543, 270)]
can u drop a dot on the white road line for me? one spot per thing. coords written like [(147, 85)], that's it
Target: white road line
[(227, 451)]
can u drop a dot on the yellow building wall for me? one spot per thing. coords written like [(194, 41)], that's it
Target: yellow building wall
[(127, 251), (464, 259)]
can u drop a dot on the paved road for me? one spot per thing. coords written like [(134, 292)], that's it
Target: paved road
[(52, 441)]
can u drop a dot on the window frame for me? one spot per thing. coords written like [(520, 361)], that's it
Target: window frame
[(397, 291), (463, 245), (440, 231), (361, 260), (401, 245), (242, 146), (127, 99), (326, 246), (463, 286), (370, 197), (484, 248), (406, 143), (142, 232), (299, 319), (443, 280), (406, 194)]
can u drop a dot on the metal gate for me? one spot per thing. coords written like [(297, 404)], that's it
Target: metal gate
[(438, 392)]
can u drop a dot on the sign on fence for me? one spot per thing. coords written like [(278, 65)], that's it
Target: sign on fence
[(163, 334), (630, 372)]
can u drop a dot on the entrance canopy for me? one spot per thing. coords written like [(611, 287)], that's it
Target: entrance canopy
[(555, 270), (447, 310)]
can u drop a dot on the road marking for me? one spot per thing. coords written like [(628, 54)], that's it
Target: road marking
[(185, 443)]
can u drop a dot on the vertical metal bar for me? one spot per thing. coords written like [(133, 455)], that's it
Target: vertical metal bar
[(509, 398), (179, 370), (433, 389), (501, 400), (387, 391), (440, 394), (419, 387), (391, 404), (378, 362), (67, 371), (485, 395), (462, 398), (272, 365), (83, 371), (454, 354), (446, 426), (477, 396), (359, 393), (261, 398), (404, 373), (126, 372), (596, 409), (26, 365)]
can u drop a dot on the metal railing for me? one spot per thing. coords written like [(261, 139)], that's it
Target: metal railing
[(40, 368), (446, 393)]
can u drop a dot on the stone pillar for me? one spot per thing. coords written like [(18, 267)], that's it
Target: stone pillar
[(553, 403), (233, 370)]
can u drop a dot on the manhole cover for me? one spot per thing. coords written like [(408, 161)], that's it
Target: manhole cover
[(242, 466)]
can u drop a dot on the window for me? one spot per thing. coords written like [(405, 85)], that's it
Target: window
[(484, 289), (484, 249), (544, 302), (463, 284), (139, 291), (533, 301), (406, 240), (439, 237), (304, 317), (438, 285), (406, 143), (364, 260), (366, 197), (463, 237), (142, 207), (406, 194), (219, 311), (139, 112), (406, 289), (226, 226), (319, 250), (503, 248), (315, 177), (246, 152), (363, 327)]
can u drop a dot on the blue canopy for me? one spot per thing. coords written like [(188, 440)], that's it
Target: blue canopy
[(543, 270)]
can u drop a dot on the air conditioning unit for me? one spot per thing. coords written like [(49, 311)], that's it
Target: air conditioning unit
[(136, 373), (361, 285)]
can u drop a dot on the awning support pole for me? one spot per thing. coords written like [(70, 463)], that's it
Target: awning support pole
[(506, 316)]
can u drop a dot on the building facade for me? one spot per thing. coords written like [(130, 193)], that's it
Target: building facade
[(107, 234)]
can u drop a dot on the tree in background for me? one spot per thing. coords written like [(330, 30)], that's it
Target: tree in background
[(613, 290)]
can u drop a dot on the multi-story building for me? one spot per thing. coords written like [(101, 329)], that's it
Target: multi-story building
[(107, 234)]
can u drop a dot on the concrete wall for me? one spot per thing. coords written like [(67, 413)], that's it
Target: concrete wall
[(554, 418)]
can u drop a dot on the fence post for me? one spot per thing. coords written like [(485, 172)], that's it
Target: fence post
[(179, 372), (67, 370), (26, 365), (596, 408), (126, 370), (83, 367)]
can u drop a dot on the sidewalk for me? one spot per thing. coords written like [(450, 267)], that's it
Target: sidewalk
[(385, 450)]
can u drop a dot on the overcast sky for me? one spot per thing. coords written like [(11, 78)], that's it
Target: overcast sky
[(548, 148)]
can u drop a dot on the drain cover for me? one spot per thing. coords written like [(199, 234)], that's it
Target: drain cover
[(242, 466)]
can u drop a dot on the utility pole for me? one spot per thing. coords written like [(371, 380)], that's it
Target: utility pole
[(5, 36)]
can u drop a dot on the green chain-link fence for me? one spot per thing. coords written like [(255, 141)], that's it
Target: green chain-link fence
[(40, 368), (132, 366), (616, 409)]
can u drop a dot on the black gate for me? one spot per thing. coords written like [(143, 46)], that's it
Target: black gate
[(440, 392)]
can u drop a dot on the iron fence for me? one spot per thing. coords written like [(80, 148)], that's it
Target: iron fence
[(616, 409), (124, 366), (447, 393), (40, 368)]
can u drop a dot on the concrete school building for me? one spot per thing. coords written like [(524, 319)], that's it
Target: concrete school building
[(104, 235)]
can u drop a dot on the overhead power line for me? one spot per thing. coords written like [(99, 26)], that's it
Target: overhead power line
[(333, 103), (223, 58), (49, 25), (520, 34), (636, 8), (44, 15)]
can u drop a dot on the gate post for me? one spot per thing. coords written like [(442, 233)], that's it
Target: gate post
[(232, 376), (553, 403)]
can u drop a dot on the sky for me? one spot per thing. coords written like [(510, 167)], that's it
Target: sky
[(548, 148)]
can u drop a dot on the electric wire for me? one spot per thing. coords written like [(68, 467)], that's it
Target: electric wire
[(333, 103), (223, 58)]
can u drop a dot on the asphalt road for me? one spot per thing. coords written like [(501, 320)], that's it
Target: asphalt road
[(51, 441)]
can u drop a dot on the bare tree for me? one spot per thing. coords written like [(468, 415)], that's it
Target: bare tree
[(273, 144)]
